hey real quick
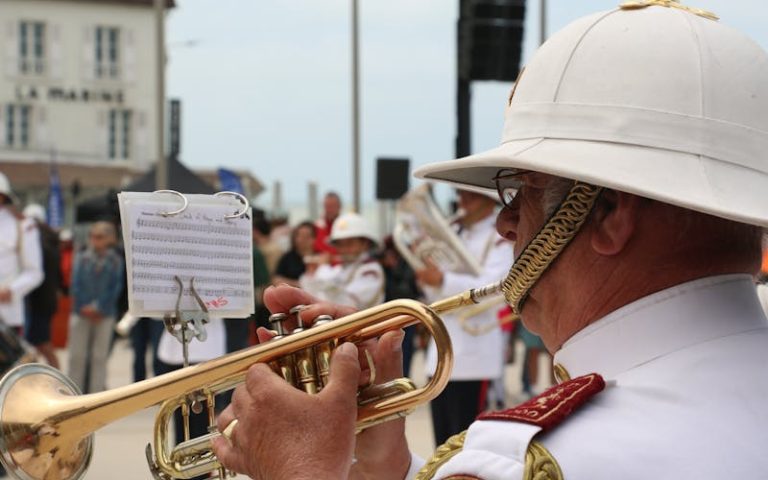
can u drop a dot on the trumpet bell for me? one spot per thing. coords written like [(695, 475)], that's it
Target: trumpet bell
[(35, 449)]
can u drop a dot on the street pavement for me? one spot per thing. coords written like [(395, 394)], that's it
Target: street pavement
[(119, 447)]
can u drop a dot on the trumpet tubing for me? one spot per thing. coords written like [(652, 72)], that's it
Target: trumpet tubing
[(46, 427)]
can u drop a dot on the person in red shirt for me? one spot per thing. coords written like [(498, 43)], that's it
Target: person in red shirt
[(331, 211)]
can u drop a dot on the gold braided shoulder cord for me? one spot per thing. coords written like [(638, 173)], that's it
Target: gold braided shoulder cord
[(553, 237), (442, 454), (539, 463)]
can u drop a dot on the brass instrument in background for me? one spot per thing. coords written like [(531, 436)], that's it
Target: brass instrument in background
[(46, 427), (422, 233)]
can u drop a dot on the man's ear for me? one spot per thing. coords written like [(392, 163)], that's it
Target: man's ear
[(613, 221)]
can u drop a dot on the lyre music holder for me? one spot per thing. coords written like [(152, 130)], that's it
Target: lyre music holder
[(187, 324)]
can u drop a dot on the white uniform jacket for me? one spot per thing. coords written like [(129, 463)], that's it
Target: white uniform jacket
[(478, 346), (21, 263), (359, 284), (686, 395)]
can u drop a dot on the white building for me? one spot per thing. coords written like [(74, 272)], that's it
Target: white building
[(78, 82)]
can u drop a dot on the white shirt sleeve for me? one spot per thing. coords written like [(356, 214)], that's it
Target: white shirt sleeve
[(322, 282), (366, 288), (495, 268), (30, 263)]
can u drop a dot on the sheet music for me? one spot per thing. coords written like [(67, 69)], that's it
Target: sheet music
[(199, 242)]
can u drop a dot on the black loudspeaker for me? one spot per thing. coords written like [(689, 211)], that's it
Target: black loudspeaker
[(490, 39), (392, 176)]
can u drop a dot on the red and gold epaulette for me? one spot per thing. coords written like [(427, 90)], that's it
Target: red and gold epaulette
[(554, 405)]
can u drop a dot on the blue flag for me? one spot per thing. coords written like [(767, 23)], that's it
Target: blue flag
[(55, 199), (230, 181)]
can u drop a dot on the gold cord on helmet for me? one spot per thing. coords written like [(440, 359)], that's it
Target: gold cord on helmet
[(637, 4), (553, 237)]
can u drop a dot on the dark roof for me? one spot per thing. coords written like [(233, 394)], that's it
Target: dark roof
[(146, 3), (180, 178)]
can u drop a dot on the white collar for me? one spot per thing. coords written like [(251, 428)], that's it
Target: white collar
[(664, 322)]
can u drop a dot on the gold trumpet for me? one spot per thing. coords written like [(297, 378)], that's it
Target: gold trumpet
[(46, 426)]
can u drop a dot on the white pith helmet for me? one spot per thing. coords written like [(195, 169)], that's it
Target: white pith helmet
[(655, 101), (35, 211), (351, 225), (5, 187)]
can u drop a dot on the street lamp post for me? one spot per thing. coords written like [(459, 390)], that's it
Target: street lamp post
[(355, 113), (161, 172)]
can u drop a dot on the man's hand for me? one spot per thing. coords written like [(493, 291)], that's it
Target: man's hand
[(381, 452), (6, 295), (430, 275), (283, 433)]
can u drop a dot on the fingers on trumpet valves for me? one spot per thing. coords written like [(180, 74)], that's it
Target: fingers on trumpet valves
[(307, 369)]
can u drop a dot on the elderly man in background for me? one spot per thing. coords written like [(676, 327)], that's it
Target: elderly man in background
[(21, 258), (633, 170), (324, 226)]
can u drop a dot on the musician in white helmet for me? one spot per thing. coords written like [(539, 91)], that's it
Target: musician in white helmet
[(357, 279), (21, 263), (477, 340), (636, 145)]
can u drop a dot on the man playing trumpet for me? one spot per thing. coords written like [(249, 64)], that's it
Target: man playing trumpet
[(633, 173)]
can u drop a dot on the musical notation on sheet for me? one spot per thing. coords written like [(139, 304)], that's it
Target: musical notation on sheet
[(199, 242)]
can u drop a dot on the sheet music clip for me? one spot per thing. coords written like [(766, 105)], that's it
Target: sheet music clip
[(187, 324), (184, 200)]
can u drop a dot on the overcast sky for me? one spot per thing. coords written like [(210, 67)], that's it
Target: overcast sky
[(265, 85)]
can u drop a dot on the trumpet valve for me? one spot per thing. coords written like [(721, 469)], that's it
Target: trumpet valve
[(306, 370), (283, 366), (323, 353)]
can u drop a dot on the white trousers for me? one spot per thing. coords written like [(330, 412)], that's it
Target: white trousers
[(88, 352)]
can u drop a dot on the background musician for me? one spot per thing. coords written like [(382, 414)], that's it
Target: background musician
[(358, 279), (21, 268), (477, 340)]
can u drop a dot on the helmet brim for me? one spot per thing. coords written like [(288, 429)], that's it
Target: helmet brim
[(686, 180)]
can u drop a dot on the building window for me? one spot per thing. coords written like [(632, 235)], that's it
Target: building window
[(107, 52), (17, 121), (32, 48), (120, 134)]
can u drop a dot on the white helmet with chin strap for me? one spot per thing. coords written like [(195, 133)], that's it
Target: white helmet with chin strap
[(351, 225), (653, 98)]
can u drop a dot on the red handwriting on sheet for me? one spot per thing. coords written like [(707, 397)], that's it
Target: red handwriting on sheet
[(217, 302)]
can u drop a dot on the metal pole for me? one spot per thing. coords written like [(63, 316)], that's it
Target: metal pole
[(463, 117), (463, 91), (277, 199), (314, 209), (161, 172), (355, 113), (543, 22)]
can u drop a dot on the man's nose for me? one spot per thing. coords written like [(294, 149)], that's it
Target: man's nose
[(507, 220)]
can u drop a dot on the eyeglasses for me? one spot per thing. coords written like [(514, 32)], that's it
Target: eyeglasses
[(508, 183)]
